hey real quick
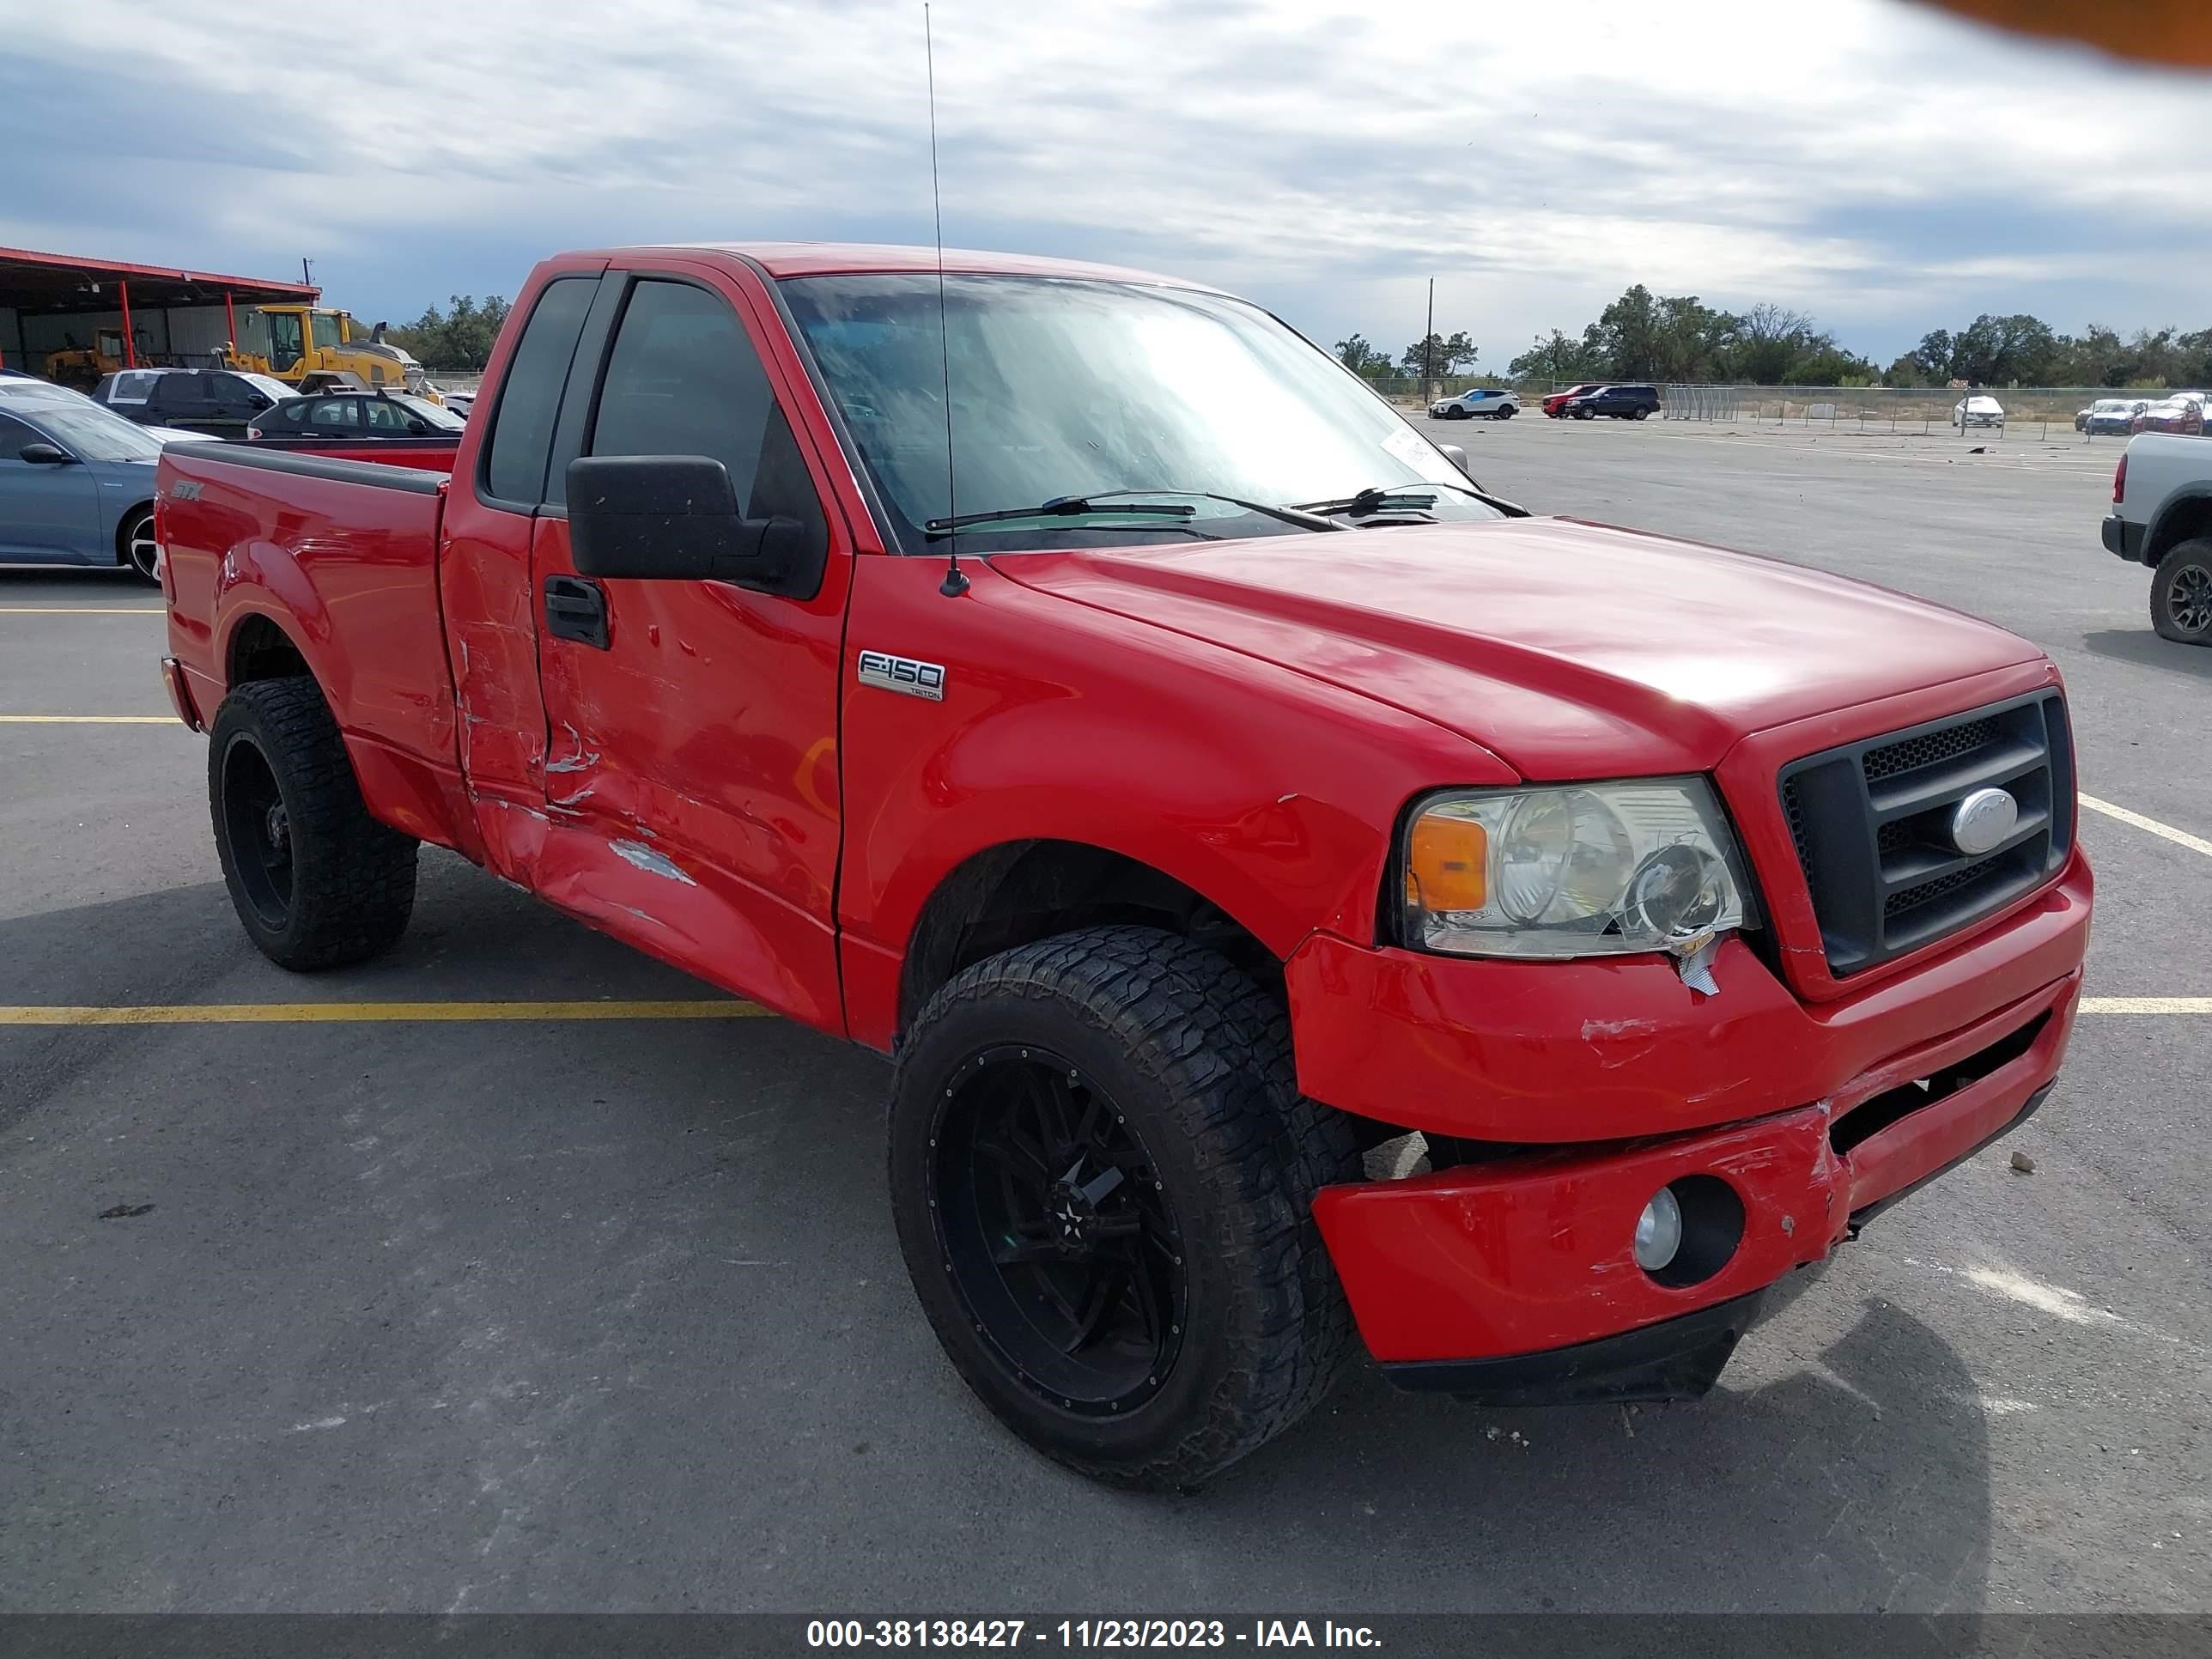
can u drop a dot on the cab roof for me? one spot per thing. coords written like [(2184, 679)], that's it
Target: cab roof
[(781, 259)]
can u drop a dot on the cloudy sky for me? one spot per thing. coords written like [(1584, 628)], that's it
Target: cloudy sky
[(1875, 164)]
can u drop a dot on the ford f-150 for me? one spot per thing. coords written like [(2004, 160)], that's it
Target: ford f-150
[(1304, 896)]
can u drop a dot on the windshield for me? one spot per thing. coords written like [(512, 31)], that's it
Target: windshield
[(275, 391), (1076, 388), (92, 432)]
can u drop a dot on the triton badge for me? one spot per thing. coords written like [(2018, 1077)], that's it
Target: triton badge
[(903, 674)]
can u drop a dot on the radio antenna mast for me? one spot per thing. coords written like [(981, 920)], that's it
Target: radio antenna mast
[(955, 583)]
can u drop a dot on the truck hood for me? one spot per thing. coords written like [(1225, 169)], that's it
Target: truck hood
[(1569, 650)]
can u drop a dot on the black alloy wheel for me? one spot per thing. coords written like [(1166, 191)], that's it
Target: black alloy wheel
[(1058, 1232), (259, 828)]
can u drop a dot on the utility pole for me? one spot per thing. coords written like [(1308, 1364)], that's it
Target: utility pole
[(1428, 346), (305, 280)]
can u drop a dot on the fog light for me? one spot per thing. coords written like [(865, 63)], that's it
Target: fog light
[(1658, 1231)]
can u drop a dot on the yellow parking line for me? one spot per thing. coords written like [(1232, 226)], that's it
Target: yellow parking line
[(2179, 837), (301, 1014), (2147, 1004), (90, 719), (81, 610)]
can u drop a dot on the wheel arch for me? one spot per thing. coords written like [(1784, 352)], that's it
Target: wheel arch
[(2183, 516), (260, 648), (1016, 892)]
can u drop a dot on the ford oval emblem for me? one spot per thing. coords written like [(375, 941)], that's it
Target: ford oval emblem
[(1980, 823)]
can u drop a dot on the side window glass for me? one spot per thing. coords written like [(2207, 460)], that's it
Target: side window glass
[(384, 417), (185, 393), (14, 435), (337, 414), (682, 379), (530, 396), (284, 341)]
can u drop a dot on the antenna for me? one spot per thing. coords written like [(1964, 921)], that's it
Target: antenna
[(955, 583)]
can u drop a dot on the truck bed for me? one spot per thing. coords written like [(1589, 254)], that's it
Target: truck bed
[(251, 534)]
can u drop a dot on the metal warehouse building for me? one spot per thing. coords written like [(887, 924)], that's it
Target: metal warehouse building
[(53, 302)]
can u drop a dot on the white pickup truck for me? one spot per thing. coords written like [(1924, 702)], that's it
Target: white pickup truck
[(2161, 517)]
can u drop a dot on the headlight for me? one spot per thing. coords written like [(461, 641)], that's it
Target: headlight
[(1581, 870)]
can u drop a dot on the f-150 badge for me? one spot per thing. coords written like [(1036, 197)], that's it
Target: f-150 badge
[(903, 674)]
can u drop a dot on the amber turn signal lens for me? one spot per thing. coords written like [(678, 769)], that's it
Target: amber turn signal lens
[(1446, 862)]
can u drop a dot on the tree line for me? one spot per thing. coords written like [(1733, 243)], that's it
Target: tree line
[(458, 338), (1646, 336)]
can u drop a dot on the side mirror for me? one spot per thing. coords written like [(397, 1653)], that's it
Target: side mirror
[(1455, 455), (45, 455), (416, 424), (674, 518)]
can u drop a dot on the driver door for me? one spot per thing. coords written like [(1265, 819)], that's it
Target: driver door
[(692, 726), (48, 509)]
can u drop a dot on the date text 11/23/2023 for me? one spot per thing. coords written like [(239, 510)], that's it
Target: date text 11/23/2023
[(1083, 1634)]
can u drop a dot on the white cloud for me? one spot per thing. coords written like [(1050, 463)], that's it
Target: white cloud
[(1869, 161)]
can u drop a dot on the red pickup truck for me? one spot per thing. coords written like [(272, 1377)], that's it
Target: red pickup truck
[(1301, 892)]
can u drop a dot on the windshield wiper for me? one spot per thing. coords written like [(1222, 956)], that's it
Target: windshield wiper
[(1105, 500), (1413, 497), (1060, 507)]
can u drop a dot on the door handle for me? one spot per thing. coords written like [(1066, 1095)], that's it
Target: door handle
[(576, 609)]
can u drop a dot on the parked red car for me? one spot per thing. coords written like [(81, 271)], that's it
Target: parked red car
[(2184, 415), (1558, 400), (1297, 889)]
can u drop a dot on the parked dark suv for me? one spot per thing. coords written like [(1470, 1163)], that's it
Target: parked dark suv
[(216, 401), (1623, 403)]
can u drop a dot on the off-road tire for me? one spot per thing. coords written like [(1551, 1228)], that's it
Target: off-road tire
[(2181, 593), (349, 883), (1199, 1059)]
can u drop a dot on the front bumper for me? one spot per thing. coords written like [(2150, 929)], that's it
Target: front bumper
[(2123, 538), (1813, 1117)]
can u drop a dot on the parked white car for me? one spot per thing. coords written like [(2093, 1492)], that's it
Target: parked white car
[(1978, 411), (1481, 402)]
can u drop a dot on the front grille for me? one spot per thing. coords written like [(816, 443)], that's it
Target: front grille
[(1871, 822), (1912, 753)]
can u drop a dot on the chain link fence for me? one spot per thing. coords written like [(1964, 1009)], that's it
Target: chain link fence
[(2036, 412)]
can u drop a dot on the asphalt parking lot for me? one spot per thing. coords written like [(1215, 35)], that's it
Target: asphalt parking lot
[(557, 1313)]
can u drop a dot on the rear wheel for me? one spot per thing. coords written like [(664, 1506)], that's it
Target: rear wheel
[(134, 542), (1102, 1175), (2181, 593), (1506, 413), (1641, 412), (316, 881)]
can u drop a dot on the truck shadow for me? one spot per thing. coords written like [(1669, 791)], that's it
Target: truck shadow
[(2142, 647), (666, 1229), (1857, 1480)]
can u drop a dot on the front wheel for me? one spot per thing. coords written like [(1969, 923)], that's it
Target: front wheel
[(1102, 1177), (1585, 413), (317, 882), (2181, 593)]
